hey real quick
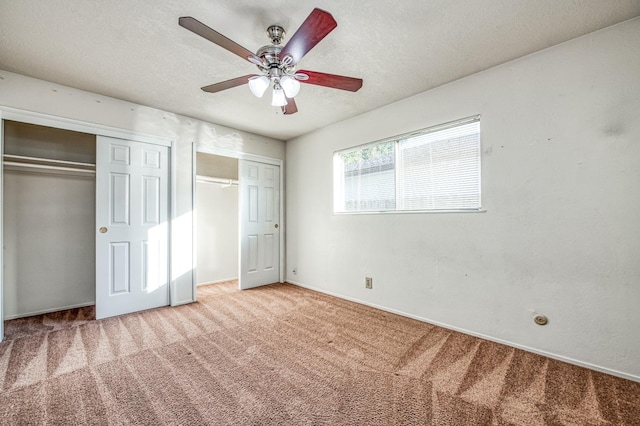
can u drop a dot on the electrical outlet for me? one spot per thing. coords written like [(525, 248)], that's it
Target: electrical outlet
[(295, 271), (368, 282)]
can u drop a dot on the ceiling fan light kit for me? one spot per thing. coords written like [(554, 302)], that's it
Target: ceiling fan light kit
[(290, 85), (258, 85), (279, 99), (277, 64)]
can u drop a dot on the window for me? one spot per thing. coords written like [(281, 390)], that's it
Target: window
[(434, 169)]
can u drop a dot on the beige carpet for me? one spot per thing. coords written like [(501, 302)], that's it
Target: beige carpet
[(282, 355)]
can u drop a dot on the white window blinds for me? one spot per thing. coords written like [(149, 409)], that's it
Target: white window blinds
[(366, 178), (436, 169), (440, 170)]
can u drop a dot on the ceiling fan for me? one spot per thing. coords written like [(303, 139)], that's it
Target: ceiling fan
[(277, 64)]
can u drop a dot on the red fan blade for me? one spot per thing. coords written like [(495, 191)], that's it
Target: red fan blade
[(224, 85), (331, 80), (213, 36), (290, 107), (317, 25)]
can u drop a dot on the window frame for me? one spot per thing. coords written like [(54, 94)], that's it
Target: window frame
[(339, 177)]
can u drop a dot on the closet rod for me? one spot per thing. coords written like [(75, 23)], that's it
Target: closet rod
[(207, 179), (25, 159), (45, 167)]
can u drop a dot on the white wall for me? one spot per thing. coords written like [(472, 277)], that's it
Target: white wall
[(561, 189), (217, 232), (30, 94)]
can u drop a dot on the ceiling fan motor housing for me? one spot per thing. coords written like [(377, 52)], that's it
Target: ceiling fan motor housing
[(275, 66), (270, 54)]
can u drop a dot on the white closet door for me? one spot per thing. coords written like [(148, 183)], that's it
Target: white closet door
[(259, 228), (132, 186)]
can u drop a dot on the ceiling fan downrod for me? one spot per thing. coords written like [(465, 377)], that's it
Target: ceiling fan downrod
[(276, 34)]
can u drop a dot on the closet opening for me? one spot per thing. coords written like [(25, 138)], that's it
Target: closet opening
[(49, 213), (216, 220)]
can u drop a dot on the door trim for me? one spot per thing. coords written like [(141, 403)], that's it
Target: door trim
[(223, 152), (14, 114), (31, 117)]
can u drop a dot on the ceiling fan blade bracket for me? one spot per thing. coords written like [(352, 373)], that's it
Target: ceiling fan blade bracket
[(286, 61), (256, 60)]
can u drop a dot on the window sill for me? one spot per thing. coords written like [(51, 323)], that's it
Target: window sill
[(409, 212)]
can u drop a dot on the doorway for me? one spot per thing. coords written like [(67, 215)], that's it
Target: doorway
[(259, 215), (49, 215), (216, 217)]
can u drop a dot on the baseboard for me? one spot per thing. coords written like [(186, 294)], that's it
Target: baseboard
[(217, 281), (481, 336), (46, 311)]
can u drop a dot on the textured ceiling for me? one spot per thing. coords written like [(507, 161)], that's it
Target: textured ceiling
[(135, 50)]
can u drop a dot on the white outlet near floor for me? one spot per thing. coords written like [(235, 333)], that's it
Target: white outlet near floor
[(295, 271), (368, 282)]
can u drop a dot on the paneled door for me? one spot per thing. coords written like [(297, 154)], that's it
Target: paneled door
[(132, 210), (259, 199)]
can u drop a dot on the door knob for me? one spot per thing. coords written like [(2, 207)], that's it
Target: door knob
[(276, 226), (103, 230)]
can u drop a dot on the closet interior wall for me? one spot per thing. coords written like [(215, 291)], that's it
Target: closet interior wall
[(217, 224), (48, 218)]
